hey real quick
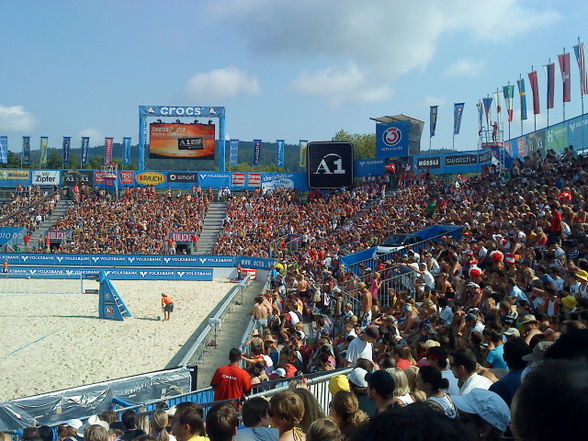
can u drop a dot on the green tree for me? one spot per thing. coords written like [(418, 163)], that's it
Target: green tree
[(246, 167), (13, 161), (364, 145), (96, 162), (54, 159), (74, 162)]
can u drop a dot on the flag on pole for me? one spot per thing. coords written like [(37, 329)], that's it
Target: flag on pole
[(107, 150), (523, 95), (4, 149), (433, 119), (564, 66), (85, 148), (487, 106), (66, 149), (303, 146), (281, 147), (457, 114), (233, 152), (508, 92), (534, 81), (256, 151), (550, 69), (480, 116), (127, 150), (43, 155), (26, 150), (498, 106), (581, 58)]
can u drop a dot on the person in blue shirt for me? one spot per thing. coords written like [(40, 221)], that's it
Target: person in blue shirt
[(495, 356), (515, 351)]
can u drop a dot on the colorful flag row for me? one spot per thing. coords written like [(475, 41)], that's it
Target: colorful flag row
[(457, 117), (280, 154)]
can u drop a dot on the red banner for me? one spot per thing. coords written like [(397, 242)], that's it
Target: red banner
[(182, 237), (254, 179), (127, 177), (58, 235), (239, 179), (564, 66), (535, 88), (108, 152)]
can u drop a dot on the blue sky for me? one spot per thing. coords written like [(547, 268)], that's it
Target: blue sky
[(299, 69)]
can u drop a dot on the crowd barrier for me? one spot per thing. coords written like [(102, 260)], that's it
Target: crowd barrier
[(204, 274)]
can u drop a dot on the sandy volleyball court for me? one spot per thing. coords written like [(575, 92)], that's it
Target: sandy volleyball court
[(55, 341)]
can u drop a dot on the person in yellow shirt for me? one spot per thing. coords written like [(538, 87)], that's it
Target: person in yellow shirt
[(189, 426)]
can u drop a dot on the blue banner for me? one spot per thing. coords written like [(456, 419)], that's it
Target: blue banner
[(233, 152), (85, 148), (113, 274), (368, 167), (26, 150), (4, 149), (185, 111), (66, 149), (291, 181), (9, 233), (256, 151), (214, 179), (457, 114), (281, 152), (392, 139), (433, 120), (127, 150)]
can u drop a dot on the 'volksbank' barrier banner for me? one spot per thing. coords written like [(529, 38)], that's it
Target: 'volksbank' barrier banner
[(204, 274), (392, 139), (82, 260), (368, 167)]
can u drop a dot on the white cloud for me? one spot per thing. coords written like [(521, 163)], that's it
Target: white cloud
[(385, 39), (16, 118), (221, 84), (96, 136), (464, 67), (340, 85)]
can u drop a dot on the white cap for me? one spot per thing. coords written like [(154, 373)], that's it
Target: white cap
[(487, 405)]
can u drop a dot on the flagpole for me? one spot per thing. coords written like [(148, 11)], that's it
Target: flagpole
[(563, 101), (547, 72)]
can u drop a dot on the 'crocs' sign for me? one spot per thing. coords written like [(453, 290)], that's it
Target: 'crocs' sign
[(150, 178)]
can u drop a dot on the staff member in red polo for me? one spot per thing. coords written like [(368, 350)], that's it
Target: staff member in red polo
[(231, 381)]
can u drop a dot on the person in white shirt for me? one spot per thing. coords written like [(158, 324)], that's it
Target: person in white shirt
[(361, 347), (463, 364)]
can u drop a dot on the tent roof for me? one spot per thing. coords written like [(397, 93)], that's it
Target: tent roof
[(396, 118)]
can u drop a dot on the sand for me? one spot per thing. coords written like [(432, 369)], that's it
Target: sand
[(53, 341)]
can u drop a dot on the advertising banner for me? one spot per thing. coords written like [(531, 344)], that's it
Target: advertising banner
[(127, 150), (9, 233), (56, 236), (330, 164), (256, 151), (214, 179), (303, 144), (238, 179), (4, 149), (85, 147), (233, 152), (126, 177), (71, 178), (433, 119), (43, 151), (485, 157), (150, 178), (280, 152), (189, 141), (113, 274), (66, 149), (182, 237), (26, 150), (577, 134), (536, 142), (457, 114), (46, 177), (254, 179), (392, 139), (182, 177), (556, 138), (521, 147), (430, 162), (273, 181), (461, 159), (12, 178), (107, 150), (368, 167)]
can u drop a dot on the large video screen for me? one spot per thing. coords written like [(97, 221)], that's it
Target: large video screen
[(175, 141)]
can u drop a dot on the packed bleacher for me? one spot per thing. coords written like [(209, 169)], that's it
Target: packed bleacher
[(489, 343), (27, 208), (139, 222)]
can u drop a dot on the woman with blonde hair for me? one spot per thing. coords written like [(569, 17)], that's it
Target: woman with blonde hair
[(401, 389), (323, 429), (159, 421), (286, 410), (344, 410), (411, 374)]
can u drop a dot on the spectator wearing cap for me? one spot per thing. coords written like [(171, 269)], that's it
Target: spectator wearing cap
[(531, 328), (515, 351), (438, 358), (359, 387), (362, 346), (463, 364), (381, 389), (580, 288), (231, 381), (69, 430), (484, 414), (511, 333), (338, 383)]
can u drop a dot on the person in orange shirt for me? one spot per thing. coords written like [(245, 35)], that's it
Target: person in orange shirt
[(167, 305)]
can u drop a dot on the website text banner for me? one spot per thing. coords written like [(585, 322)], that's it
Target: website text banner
[(203, 274), (13, 178), (103, 260), (290, 181)]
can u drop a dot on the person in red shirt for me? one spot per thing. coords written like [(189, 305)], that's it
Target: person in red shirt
[(556, 220), (231, 381)]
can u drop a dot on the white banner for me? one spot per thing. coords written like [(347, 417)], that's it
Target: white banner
[(45, 177)]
